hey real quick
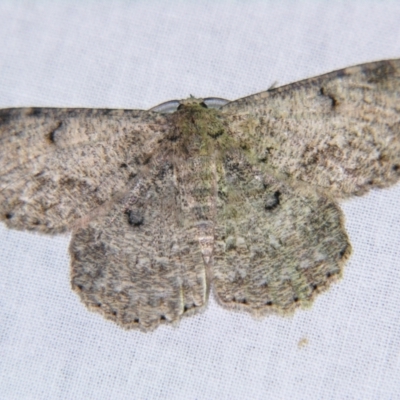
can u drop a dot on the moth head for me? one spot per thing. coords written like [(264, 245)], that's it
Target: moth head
[(196, 123)]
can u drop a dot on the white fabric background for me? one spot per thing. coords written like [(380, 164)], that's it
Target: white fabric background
[(136, 55)]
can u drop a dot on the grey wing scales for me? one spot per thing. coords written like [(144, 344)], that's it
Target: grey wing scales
[(339, 131), (277, 246), (141, 267), (56, 165)]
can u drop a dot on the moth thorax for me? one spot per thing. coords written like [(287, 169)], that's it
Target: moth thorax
[(196, 120)]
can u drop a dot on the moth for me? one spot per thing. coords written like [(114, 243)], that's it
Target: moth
[(239, 197)]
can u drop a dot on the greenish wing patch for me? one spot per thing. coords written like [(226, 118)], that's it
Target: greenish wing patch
[(276, 247)]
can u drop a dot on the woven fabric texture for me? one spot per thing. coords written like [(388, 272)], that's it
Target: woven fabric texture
[(119, 54)]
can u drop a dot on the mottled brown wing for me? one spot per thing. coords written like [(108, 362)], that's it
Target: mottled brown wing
[(56, 165), (276, 246), (144, 266), (339, 131)]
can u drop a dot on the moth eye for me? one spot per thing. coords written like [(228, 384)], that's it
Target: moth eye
[(168, 107), (215, 102)]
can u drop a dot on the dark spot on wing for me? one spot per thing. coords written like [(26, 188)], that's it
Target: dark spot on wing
[(135, 218), (222, 195), (36, 112), (272, 200), (52, 135), (343, 252), (334, 101), (313, 287), (5, 116)]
